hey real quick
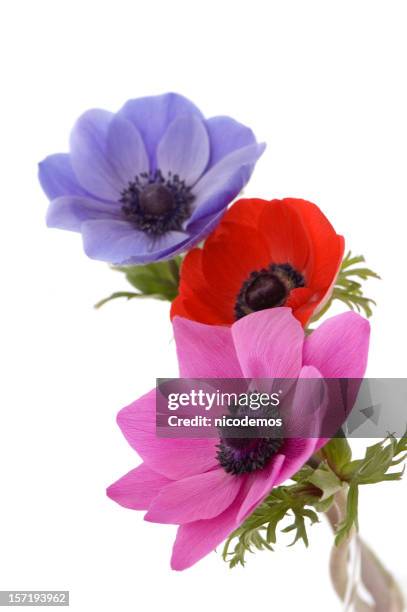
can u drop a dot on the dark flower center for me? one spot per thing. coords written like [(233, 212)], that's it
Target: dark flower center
[(156, 200), (264, 291), (240, 455), (156, 205), (267, 288)]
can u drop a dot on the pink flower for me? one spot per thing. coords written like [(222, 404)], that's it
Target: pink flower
[(181, 480)]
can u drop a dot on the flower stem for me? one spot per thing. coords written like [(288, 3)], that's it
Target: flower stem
[(376, 579)]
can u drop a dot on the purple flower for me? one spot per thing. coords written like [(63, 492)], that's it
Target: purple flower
[(149, 181)]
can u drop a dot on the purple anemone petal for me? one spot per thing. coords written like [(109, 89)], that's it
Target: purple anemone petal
[(57, 177), (226, 135), (224, 181), (269, 344), (106, 153), (137, 488), (173, 458), (161, 248), (118, 241), (153, 114), (205, 351), (184, 149), (198, 497), (201, 228), (69, 212), (125, 150)]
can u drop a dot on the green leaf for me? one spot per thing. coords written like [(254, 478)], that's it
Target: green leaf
[(259, 531), (402, 444), (119, 294), (160, 278), (373, 468), (348, 289), (326, 480), (303, 473), (337, 452), (350, 468), (157, 280), (323, 506), (351, 519)]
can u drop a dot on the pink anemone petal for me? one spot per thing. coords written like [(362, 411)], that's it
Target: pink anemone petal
[(269, 344), (203, 496), (195, 540), (297, 451), (305, 412), (339, 346), (339, 349), (138, 488), (205, 351), (173, 458), (258, 485)]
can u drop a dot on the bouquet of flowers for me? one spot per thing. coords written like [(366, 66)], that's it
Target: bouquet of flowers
[(152, 191)]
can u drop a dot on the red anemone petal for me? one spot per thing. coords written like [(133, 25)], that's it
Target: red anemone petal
[(327, 245), (197, 300), (246, 211), (229, 258), (287, 238)]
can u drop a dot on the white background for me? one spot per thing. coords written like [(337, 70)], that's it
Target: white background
[(324, 84)]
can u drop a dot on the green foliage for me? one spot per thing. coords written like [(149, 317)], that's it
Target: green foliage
[(299, 501), (373, 468), (315, 486), (348, 288), (337, 453), (351, 517), (326, 480), (156, 280)]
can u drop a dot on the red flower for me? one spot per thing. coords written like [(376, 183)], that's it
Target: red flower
[(263, 254)]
